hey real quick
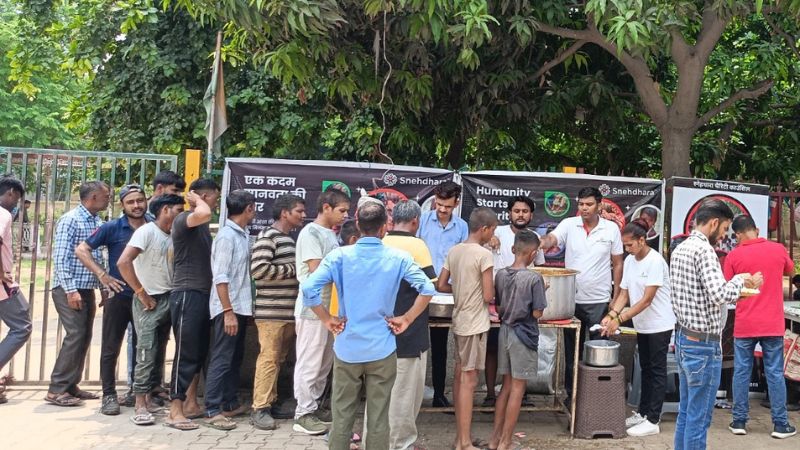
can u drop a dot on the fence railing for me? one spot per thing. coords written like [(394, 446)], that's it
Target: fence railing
[(51, 178)]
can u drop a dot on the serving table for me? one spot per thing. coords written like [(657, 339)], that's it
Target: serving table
[(554, 403)]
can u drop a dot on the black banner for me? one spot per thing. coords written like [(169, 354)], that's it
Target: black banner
[(268, 179), (555, 196)]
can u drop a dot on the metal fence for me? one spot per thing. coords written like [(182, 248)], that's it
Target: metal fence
[(51, 179), (784, 222)]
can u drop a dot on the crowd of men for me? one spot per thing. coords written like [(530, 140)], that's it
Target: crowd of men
[(354, 305)]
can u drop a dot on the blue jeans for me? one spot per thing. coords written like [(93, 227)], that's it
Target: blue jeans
[(15, 313), (772, 349), (700, 366)]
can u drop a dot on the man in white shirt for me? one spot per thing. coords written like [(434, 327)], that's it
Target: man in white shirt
[(520, 210), (593, 248)]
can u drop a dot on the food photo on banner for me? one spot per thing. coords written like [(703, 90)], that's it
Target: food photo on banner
[(268, 179), (555, 197), (743, 198)]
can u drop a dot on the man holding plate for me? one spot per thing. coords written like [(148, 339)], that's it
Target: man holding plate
[(759, 319)]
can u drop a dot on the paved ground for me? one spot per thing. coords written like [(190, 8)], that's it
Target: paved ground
[(27, 422)]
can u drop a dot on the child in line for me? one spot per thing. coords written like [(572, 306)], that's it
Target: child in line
[(469, 266), (520, 300)]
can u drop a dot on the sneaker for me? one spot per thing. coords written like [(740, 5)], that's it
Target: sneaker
[(489, 402), (634, 420), (324, 415), (783, 431), (738, 428), (646, 428), (110, 406), (262, 419), (128, 399), (309, 424)]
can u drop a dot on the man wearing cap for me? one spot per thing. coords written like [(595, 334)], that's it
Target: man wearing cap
[(114, 235)]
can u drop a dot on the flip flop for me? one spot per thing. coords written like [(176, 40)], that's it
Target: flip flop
[(480, 443), (85, 395), (238, 412), (182, 425), (220, 422), (143, 419), (65, 399), (199, 415)]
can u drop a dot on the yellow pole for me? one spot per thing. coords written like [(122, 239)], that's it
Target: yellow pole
[(192, 169)]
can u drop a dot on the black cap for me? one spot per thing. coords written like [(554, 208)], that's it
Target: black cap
[(129, 189)]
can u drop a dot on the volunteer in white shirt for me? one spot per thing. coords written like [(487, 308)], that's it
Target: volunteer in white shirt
[(645, 282), (520, 210), (593, 246)]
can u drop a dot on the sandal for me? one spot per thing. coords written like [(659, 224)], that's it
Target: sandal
[(198, 415), (142, 417), (240, 411), (182, 425), (64, 399), (84, 395), (220, 422)]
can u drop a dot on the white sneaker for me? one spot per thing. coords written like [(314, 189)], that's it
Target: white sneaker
[(634, 420), (645, 428)]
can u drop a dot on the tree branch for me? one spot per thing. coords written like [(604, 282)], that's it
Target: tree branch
[(558, 59), (637, 68), (790, 41), (680, 48), (711, 30), (742, 94)]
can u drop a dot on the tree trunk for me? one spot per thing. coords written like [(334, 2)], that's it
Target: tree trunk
[(455, 154), (675, 152)]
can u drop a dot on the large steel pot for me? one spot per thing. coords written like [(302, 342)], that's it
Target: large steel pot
[(600, 353), (560, 294), (441, 306)]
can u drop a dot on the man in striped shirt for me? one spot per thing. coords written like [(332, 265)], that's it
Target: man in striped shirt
[(273, 269)]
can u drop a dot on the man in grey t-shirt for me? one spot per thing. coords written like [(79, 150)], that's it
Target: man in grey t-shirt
[(146, 265), (314, 342)]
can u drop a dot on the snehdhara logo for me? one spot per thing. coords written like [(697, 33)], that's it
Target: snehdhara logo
[(389, 179), (604, 189)]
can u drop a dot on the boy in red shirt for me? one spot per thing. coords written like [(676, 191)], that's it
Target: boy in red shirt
[(759, 319)]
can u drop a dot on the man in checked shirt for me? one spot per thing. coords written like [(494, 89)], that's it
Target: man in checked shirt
[(699, 292)]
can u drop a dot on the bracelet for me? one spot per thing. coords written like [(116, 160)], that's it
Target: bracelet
[(616, 314), (618, 320), (101, 275), (224, 310), (139, 291)]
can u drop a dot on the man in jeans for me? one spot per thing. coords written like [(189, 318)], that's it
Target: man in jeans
[(367, 276), (231, 305), (759, 319), (14, 309), (191, 286), (73, 295), (146, 265), (272, 267), (117, 314), (699, 294)]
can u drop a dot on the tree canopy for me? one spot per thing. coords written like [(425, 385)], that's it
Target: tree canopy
[(644, 87)]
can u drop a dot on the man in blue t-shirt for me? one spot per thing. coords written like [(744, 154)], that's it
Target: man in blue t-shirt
[(114, 235)]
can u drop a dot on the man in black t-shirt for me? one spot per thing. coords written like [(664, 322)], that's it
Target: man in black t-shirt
[(191, 239)]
